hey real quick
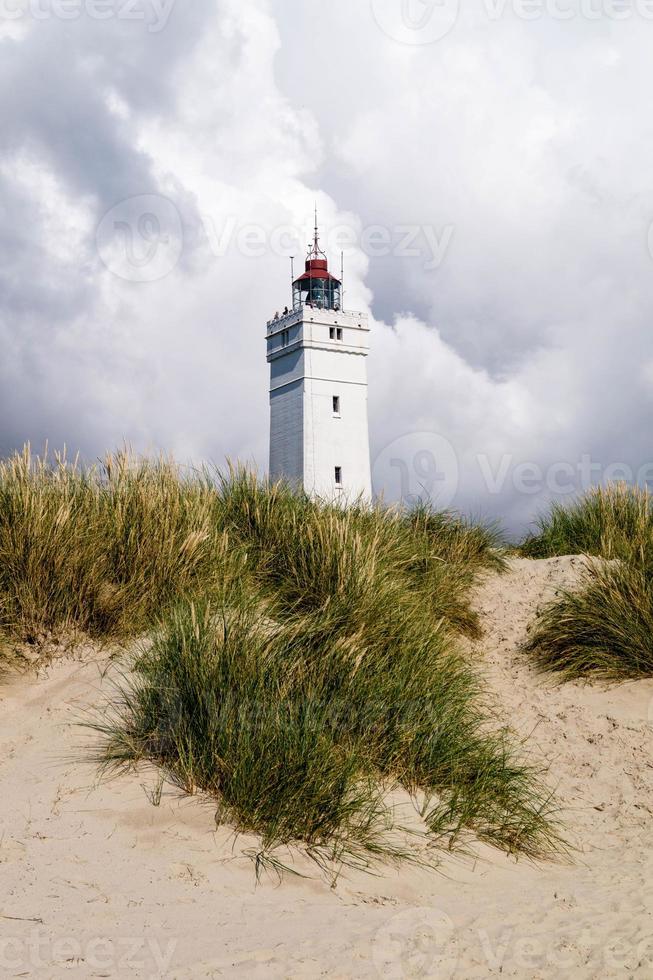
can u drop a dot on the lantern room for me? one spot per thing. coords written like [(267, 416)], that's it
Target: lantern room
[(317, 287)]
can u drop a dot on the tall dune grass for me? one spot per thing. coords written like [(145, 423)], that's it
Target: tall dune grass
[(604, 628), (302, 657), (298, 730), (105, 550), (609, 522), (315, 556), (102, 550)]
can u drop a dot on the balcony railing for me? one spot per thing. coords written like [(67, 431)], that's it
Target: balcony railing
[(283, 319)]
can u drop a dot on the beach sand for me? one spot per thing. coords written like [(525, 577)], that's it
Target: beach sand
[(99, 882)]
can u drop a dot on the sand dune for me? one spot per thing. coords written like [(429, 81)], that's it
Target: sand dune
[(98, 882)]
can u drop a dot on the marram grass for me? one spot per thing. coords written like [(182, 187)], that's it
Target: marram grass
[(604, 628), (615, 521), (102, 550), (300, 659), (298, 733)]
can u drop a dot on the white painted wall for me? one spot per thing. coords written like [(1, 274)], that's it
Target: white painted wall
[(307, 369)]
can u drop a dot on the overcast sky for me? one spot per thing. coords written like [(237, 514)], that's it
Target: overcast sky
[(486, 166)]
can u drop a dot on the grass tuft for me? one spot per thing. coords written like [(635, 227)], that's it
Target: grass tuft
[(609, 522), (605, 628), (299, 733), (301, 659), (102, 551)]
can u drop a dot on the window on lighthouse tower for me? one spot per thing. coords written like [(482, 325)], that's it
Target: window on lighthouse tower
[(339, 476)]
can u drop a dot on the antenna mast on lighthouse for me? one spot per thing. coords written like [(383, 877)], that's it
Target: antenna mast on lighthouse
[(318, 387), (314, 251)]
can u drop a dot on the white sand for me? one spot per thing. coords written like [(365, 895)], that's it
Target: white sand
[(112, 880)]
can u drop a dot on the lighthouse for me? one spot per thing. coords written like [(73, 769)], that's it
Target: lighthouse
[(317, 354)]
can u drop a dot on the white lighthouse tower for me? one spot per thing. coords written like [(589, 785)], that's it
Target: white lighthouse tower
[(318, 389)]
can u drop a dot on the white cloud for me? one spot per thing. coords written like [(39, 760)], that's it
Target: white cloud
[(529, 342)]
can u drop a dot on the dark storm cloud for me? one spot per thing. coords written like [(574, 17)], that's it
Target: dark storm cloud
[(54, 86), (528, 340), (53, 96)]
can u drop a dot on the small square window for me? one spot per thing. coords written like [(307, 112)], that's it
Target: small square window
[(338, 476), (336, 404)]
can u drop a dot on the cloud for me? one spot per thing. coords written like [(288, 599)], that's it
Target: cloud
[(514, 324)]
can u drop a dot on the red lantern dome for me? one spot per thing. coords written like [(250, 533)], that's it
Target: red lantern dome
[(317, 287)]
